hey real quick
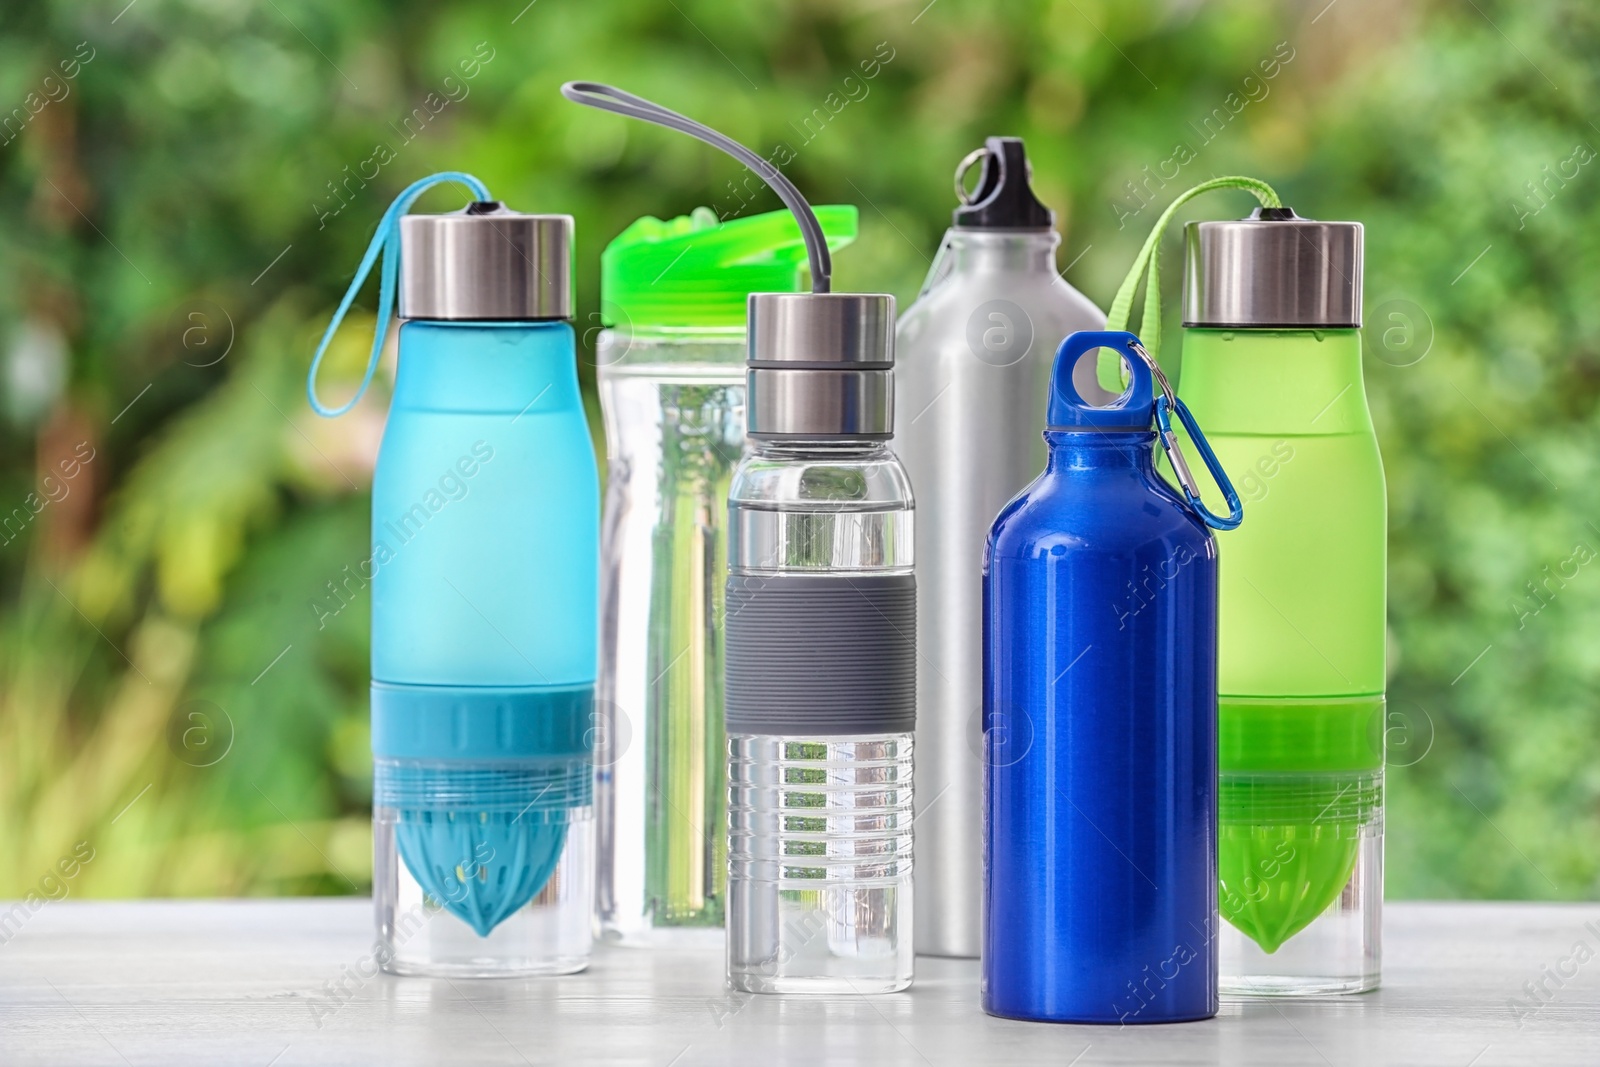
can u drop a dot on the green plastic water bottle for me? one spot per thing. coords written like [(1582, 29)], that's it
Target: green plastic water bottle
[(1272, 368)]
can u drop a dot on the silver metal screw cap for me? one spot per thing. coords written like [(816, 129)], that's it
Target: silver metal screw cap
[(820, 365), (486, 262), (1272, 270)]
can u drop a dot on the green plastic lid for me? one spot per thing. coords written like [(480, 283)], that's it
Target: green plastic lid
[(696, 270)]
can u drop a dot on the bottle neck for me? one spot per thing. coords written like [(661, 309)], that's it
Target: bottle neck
[(483, 367), (782, 449), (974, 250), (1073, 450), (1279, 382)]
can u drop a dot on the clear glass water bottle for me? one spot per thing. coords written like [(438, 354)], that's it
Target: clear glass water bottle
[(671, 377), (821, 661)]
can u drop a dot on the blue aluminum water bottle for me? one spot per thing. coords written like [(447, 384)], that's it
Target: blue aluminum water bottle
[(1100, 712)]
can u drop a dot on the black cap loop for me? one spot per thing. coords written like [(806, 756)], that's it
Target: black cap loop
[(1003, 200)]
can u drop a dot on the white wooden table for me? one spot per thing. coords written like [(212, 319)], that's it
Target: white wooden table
[(245, 982)]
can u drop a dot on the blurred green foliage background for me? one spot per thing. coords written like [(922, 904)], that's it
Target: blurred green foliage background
[(188, 184)]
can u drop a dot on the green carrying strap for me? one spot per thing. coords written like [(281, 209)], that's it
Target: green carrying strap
[(1148, 267)]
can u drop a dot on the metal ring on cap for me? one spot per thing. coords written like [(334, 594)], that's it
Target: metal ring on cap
[(961, 173)]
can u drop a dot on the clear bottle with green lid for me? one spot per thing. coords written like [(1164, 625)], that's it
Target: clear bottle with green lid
[(671, 372)]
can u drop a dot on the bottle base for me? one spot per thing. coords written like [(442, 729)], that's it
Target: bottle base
[(426, 935), (1280, 985), (820, 880), (1338, 953), (763, 983), (702, 938), (1093, 1019), (495, 968)]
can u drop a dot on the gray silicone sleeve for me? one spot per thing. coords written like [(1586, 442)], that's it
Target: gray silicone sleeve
[(821, 655)]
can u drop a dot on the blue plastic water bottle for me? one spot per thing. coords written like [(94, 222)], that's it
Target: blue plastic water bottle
[(1100, 718), (484, 572)]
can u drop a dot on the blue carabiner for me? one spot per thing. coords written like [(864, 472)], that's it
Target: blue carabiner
[(1191, 490), (385, 242)]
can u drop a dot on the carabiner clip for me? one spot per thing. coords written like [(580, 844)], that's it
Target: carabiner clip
[(1166, 404)]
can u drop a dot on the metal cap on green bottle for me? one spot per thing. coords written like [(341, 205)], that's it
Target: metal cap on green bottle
[(1273, 270)]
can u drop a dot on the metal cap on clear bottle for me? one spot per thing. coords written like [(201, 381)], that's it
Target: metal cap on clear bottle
[(486, 262), (821, 365), (1272, 270)]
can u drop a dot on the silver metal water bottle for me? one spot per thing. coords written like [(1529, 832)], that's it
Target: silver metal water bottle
[(971, 383)]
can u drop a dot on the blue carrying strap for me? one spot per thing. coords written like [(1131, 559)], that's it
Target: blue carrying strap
[(385, 242)]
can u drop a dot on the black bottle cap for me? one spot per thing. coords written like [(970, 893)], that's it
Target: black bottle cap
[(1003, 199)]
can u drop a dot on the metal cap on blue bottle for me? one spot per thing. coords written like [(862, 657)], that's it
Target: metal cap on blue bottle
[(486, 263)]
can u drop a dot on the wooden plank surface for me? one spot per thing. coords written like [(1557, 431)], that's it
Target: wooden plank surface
[(248, 983)]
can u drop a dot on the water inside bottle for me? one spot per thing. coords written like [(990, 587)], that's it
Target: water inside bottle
[(675, 433), (821, 852)]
